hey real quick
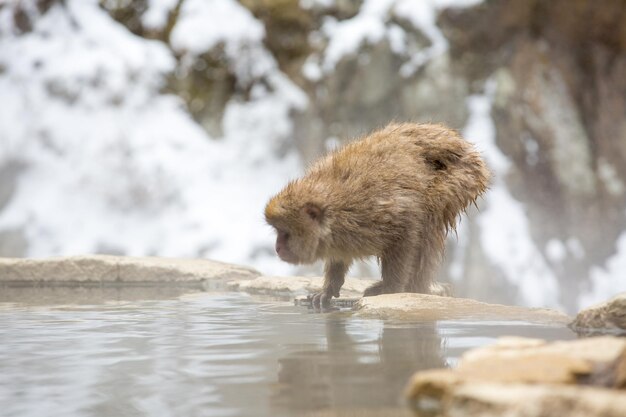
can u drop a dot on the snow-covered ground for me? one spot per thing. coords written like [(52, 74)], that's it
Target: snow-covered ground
[(113, 164)]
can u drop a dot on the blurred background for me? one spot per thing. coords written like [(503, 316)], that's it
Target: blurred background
[(161, 127)]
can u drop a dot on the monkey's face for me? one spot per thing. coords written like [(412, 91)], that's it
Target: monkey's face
[(297, 231), (284, 244)]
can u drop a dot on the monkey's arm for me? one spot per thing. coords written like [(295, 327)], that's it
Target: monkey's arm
[(334, 277)]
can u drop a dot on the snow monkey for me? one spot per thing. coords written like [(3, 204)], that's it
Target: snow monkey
[(394, 195)]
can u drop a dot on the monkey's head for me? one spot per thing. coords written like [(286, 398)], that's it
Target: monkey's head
[(299, 226)]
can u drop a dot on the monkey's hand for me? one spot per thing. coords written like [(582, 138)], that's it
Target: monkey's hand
[(321, 300), (334, 277)]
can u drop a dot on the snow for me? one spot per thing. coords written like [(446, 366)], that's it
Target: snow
[(504, 225), (204, 24), (157, 13), (113, 164), (310, 4), (556, 251), (532, 149), (423, 16), (608, 280), (608, 174), (311, 69), (346, 36), (575, 248), (397, 39), (372, 24)]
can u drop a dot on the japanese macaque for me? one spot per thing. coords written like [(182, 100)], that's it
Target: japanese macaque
[(394, 195)]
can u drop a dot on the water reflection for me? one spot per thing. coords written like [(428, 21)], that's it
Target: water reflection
[(364, 364), (217, 355), (89, 294)]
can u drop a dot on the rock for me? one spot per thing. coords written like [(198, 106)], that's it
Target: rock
[(13, 242), (336, 303), (127, 13), (73, 295), (490, 400), (432, 307), (610, 315), (548, 111), (119, 270), (528, 377), (287, 27), (361, 412), (366, 91), (206, 84), (515, 359), (9, 175), (297, 286), (153, 271)]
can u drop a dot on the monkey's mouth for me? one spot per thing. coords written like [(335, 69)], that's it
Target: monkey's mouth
[(289, 258)]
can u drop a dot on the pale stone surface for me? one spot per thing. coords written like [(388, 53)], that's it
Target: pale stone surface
[(515, 359), (91, 294), (528, 377), (433, 307), (298, 286), (119, 269), (490, 400), (151, 270), (609, 315), (359, 412)]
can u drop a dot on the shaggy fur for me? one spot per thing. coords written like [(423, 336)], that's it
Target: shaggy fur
[(394, 194)]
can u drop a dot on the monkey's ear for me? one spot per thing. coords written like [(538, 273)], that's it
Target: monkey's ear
[(312, 211), (437, 164), (441, 159)]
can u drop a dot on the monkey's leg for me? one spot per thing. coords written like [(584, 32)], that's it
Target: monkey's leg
[(334, 277), (397, 266), (421, 274), (425, 264)]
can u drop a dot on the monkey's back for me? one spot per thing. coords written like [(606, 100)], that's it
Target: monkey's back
[(403, 173), (402, 157), (376, 170)]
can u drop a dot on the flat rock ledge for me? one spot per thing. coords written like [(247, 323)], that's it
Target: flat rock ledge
[(425, 307), (156, 271), (105, 269), (519, 377), (607, 316), (297, 286)]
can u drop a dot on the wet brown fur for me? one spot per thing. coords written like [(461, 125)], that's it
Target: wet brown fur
[(394, 194)]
